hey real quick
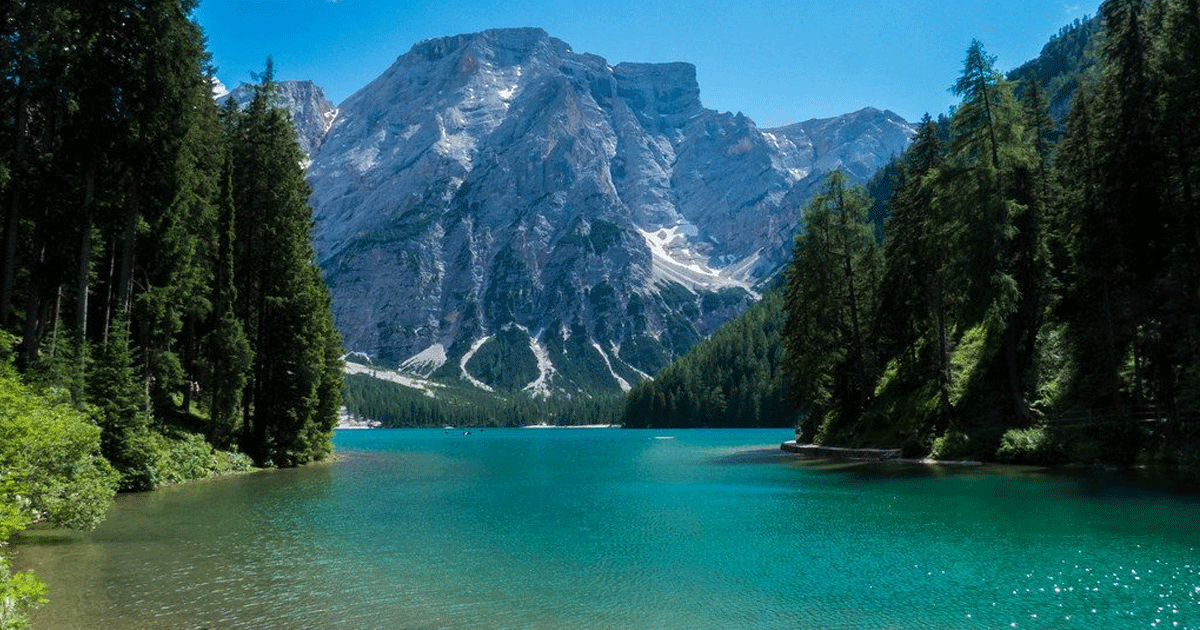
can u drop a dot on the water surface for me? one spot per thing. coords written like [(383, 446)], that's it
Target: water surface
[(615, 529)]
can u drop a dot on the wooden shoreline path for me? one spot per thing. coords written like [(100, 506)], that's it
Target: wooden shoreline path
[(834, 452)]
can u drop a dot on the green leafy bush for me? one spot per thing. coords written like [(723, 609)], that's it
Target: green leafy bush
[(953, 445), (1028, 446), (50, 470), (189, 456)]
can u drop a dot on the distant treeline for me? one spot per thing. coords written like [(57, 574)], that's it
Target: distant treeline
[(395, 405), (734, 379)]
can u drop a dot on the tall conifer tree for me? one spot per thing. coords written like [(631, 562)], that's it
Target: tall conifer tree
[(832, 287), (289, 405)]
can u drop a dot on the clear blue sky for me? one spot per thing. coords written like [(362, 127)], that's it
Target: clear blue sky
[(778, 62)]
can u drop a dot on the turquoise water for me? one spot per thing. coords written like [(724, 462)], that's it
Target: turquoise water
[(614, 529)]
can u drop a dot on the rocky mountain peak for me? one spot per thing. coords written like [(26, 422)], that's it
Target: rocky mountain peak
[(499, 47), (498, 209), (667, 91), (312, 113)]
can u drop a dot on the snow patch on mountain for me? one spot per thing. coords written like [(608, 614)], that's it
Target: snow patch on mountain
[(427, 361), (424, 386), (539, 387), (674, 260), (462, 365), (622, 383)]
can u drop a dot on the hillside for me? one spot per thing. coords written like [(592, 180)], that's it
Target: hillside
[(498, 210)]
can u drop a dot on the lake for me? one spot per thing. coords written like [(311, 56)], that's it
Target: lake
[(562, 529)]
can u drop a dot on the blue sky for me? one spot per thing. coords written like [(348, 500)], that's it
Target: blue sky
[(778, 61)]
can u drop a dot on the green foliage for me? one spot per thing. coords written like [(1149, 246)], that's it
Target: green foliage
[(952, 446), (114, 158), (1040, 298), (50, 470), (1065, 63), (50, 458), (832, 290), (398, 406), (505, 361), (965, 360), (294, 387), (189, 456), (1034, 445), (116, 393), (20, 593), (733, 379)]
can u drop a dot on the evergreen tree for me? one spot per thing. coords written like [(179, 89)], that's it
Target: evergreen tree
[(918, 297), (1121, 232), (989, 183), (117, 392), (282, 303), (1175, 360), (227, 354), (832, 286)]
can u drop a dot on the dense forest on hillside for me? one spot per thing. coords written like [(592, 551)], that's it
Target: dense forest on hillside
[(1022, 285), (160, 313), (1066, 62), (398, 406), (1034, 298), (733, 379)]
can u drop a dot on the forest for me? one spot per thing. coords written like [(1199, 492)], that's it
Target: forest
[(161, 316), (1036, 293), (1022, 285), (397, 406)]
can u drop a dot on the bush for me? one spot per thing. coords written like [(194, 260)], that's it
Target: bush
[(1028, 446), (188, 456), (953, 445)]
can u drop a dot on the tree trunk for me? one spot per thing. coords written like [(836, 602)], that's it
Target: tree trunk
[(30, 342), (14, 205), (85, 257), (1014, 374), (128, 244), (189, 359), (945, 413)]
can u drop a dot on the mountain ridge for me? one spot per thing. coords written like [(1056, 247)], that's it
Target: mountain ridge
[(496, 194)]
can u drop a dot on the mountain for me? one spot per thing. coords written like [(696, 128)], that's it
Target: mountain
[(497, 208), (312, 113), (1064, 63)]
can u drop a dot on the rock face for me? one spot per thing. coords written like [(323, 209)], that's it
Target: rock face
[(312, 113), (498, 208)]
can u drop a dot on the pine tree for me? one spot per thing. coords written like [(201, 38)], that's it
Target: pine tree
[(227, 353), (832, 286), (116, 391), (988, 182), (281, 300), (1120, 242), (918, 297), (1176, 358)]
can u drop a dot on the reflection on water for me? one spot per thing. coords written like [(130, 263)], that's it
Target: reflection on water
[(616, 529)]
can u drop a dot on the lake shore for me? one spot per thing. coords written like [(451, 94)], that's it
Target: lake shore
[(883, 455), (571, 426)]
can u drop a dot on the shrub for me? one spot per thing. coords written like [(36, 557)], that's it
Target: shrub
[(188, 456), (951, 446), (1028, 446)]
